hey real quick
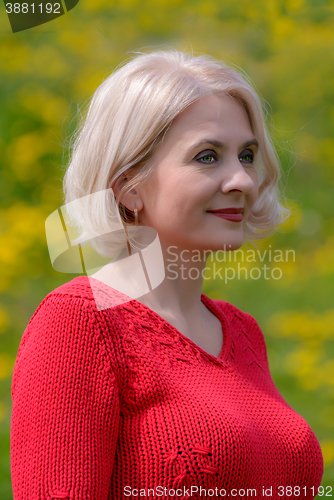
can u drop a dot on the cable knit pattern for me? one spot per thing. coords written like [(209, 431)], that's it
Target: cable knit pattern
[(116, 403)]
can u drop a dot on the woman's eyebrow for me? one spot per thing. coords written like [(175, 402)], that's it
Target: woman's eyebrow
[(251, 142), (218, 144)]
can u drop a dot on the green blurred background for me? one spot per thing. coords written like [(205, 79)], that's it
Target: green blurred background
[(287, 48)]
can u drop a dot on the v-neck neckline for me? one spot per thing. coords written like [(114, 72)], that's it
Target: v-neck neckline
[(216, 311), (209, 303)]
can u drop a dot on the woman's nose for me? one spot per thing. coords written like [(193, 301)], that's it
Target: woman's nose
[(237, 178)]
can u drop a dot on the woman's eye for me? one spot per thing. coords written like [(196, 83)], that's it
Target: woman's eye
[(208, 158), (247, 158)]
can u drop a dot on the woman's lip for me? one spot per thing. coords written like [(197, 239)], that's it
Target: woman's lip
[(228, 210), (232, 217)]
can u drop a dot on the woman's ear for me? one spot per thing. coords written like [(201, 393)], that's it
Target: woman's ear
[(117, 185), (129, 199)]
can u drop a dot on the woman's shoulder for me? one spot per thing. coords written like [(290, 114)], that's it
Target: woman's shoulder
[(88, 291), (79, 302), (68, 335), (233, 313), (65, 294), (87, 288), (74, 314), (243, 323)]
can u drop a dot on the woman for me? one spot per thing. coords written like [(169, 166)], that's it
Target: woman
[(167, 394)]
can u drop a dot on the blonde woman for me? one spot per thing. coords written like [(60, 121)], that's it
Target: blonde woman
[(167, 394)]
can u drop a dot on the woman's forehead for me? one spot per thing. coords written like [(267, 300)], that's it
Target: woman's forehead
[(211, 117)]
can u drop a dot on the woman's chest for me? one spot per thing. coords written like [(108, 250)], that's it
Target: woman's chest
[(209, 337), (207, 334), (198, 427)]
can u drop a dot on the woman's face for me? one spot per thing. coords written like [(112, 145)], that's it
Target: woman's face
[(204, 164)]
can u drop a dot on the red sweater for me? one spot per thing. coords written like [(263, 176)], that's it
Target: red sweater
[(116, 403)]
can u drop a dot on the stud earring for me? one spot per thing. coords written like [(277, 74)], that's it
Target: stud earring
[(136, 216)]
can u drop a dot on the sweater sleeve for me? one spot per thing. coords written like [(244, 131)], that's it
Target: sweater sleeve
[(65, 412)]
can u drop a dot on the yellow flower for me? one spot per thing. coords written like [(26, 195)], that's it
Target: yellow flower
[(7, 363), (327, 448), (23, 154), (295, 217), (304, 325)]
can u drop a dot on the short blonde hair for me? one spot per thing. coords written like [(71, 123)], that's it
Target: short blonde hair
[(128, 117)]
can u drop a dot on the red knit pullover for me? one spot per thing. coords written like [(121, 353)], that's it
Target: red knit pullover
[(116, 403)]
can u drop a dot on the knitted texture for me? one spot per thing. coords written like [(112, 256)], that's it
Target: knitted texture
[(117, 403)]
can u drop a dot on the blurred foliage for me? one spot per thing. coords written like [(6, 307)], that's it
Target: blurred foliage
[(287, 48)]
